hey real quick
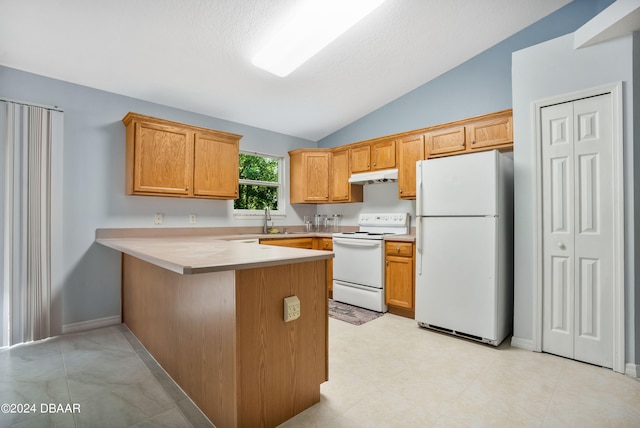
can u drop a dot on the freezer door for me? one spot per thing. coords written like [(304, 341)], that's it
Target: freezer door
[(456, 286), (458, 185)]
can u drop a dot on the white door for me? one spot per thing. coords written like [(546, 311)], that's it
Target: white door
[(577, 189)]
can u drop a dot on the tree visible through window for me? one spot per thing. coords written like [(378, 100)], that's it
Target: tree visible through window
[(260, 184)]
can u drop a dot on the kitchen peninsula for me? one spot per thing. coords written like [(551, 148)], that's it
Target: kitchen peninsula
[(210, 312)]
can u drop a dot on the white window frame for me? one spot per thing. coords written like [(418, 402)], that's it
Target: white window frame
[(280, 184)]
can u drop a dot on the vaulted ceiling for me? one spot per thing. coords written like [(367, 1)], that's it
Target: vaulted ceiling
[(196, 55)]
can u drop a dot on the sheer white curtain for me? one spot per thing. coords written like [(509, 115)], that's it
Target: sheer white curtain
[(31, 135)]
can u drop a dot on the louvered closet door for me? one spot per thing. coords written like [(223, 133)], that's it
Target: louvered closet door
[(577, 230)]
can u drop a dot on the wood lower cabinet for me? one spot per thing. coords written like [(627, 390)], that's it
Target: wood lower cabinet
[(289, 242), (410, 151), (400, 278), (327, 245), (166, 158)]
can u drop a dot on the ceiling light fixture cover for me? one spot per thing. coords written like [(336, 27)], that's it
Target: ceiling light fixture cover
[(314, 25)]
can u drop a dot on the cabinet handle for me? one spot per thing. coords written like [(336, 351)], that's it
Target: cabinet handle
[(400, 190), (375, 164), (462, 144), (387, 262), (398, 249), (186, 188), (473, 142)]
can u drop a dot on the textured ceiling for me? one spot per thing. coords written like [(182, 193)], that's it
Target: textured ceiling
[(196, 55)]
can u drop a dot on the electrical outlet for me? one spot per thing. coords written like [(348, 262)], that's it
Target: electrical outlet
[(158, 218), (291, 308), (193, 218)]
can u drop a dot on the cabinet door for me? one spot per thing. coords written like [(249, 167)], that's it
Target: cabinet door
[(316, 179), (410, 150), (162, 159), (360, 159), (215, 172), (490, 132), (384, 155), (289, 242), (399, 281), (340, 185), (326, 244), (446, 140)]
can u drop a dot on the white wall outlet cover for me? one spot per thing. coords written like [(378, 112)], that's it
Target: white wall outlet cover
[(158, 218), (193, 218), (291, 308)]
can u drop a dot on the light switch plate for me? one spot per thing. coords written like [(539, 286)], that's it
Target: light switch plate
[(291, 308)]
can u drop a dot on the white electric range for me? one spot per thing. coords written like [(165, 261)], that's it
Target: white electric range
[(358, 266)]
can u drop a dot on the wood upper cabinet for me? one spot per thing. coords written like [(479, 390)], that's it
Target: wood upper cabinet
[(215, 166), (399, 278), (383, 155), (360, 159), (445, 141), (491, 132), (309, 172), (166, 158), (321, 176), (341, 189), (410, 151), (373, 157)]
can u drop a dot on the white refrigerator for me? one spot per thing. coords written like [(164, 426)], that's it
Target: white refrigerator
[(464, 245)]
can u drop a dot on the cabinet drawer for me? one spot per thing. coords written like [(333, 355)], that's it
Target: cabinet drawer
[(398, 248), (289, 242)]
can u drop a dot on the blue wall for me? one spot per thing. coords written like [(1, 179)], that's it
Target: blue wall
[(94, 184), (480, 85)]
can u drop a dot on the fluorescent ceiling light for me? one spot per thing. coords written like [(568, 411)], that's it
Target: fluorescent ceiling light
[(314, 25)]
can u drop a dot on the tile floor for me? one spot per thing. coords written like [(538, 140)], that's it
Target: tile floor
[(386, 373), (106, 372)]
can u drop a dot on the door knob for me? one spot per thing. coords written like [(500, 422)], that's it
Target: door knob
[(561, 246)]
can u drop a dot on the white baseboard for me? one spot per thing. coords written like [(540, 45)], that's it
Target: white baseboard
[(518, 342), (632, 370), (91, 324)]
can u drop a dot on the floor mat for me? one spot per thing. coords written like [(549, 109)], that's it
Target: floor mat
[(351, 314)]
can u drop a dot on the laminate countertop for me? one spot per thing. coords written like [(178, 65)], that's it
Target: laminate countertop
[(201, 254)]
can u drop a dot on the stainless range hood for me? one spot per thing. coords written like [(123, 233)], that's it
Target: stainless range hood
[(383, 176)]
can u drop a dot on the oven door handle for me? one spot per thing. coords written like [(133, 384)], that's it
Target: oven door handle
[(357, 242)]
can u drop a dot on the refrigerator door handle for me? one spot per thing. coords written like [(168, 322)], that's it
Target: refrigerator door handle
[(419, 216), (419, 189), (419, 245)]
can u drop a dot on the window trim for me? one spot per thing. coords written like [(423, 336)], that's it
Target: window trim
[(281, 185)]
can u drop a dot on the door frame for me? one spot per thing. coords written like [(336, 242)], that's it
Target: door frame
[(615, 89)]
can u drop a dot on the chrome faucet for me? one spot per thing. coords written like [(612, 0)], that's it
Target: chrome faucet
[(267, 219)]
